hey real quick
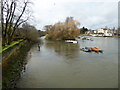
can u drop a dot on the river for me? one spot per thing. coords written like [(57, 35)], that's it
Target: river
[(64, 65)]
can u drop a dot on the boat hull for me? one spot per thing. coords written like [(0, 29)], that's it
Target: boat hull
[(71, 41), (97, 49)]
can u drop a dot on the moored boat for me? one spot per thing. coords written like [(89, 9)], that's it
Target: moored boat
[(86, 49), (96, 49), (71, 41), (85, 38)]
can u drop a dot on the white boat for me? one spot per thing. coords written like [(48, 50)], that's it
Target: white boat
[(71, 41)]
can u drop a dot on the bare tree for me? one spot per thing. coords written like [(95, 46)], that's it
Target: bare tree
[(69, 29), (70, 23), (13, 14)]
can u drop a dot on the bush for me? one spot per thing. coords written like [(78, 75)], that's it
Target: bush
[(29, 32), (33, 35)]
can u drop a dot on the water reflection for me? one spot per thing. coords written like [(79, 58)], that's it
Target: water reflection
[(69, 50)]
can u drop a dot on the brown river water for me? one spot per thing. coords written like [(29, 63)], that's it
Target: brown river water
[(64, 65)]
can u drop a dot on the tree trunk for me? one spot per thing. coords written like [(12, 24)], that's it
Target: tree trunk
[(9, 40), (3, 41)]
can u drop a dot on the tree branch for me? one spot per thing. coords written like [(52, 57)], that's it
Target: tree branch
[(14, 28), (11, 19)]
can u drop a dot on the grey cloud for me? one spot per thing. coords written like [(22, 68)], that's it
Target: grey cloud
[(90, 14)]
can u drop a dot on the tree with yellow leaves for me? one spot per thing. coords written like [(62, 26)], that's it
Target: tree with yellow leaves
[(64, 30)]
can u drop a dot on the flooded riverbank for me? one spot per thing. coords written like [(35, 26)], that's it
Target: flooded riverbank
[(14, 64), (63, 65)]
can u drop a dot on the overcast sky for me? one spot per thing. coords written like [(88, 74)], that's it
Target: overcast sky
[(93, 14)]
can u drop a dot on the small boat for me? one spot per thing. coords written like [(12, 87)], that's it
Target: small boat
[(91, 39), (71, 41), (83, 49), (83, 38), (97, 49), (86, 49)]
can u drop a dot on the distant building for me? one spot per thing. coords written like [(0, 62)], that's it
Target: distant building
[(90, 32), (102, 32)]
